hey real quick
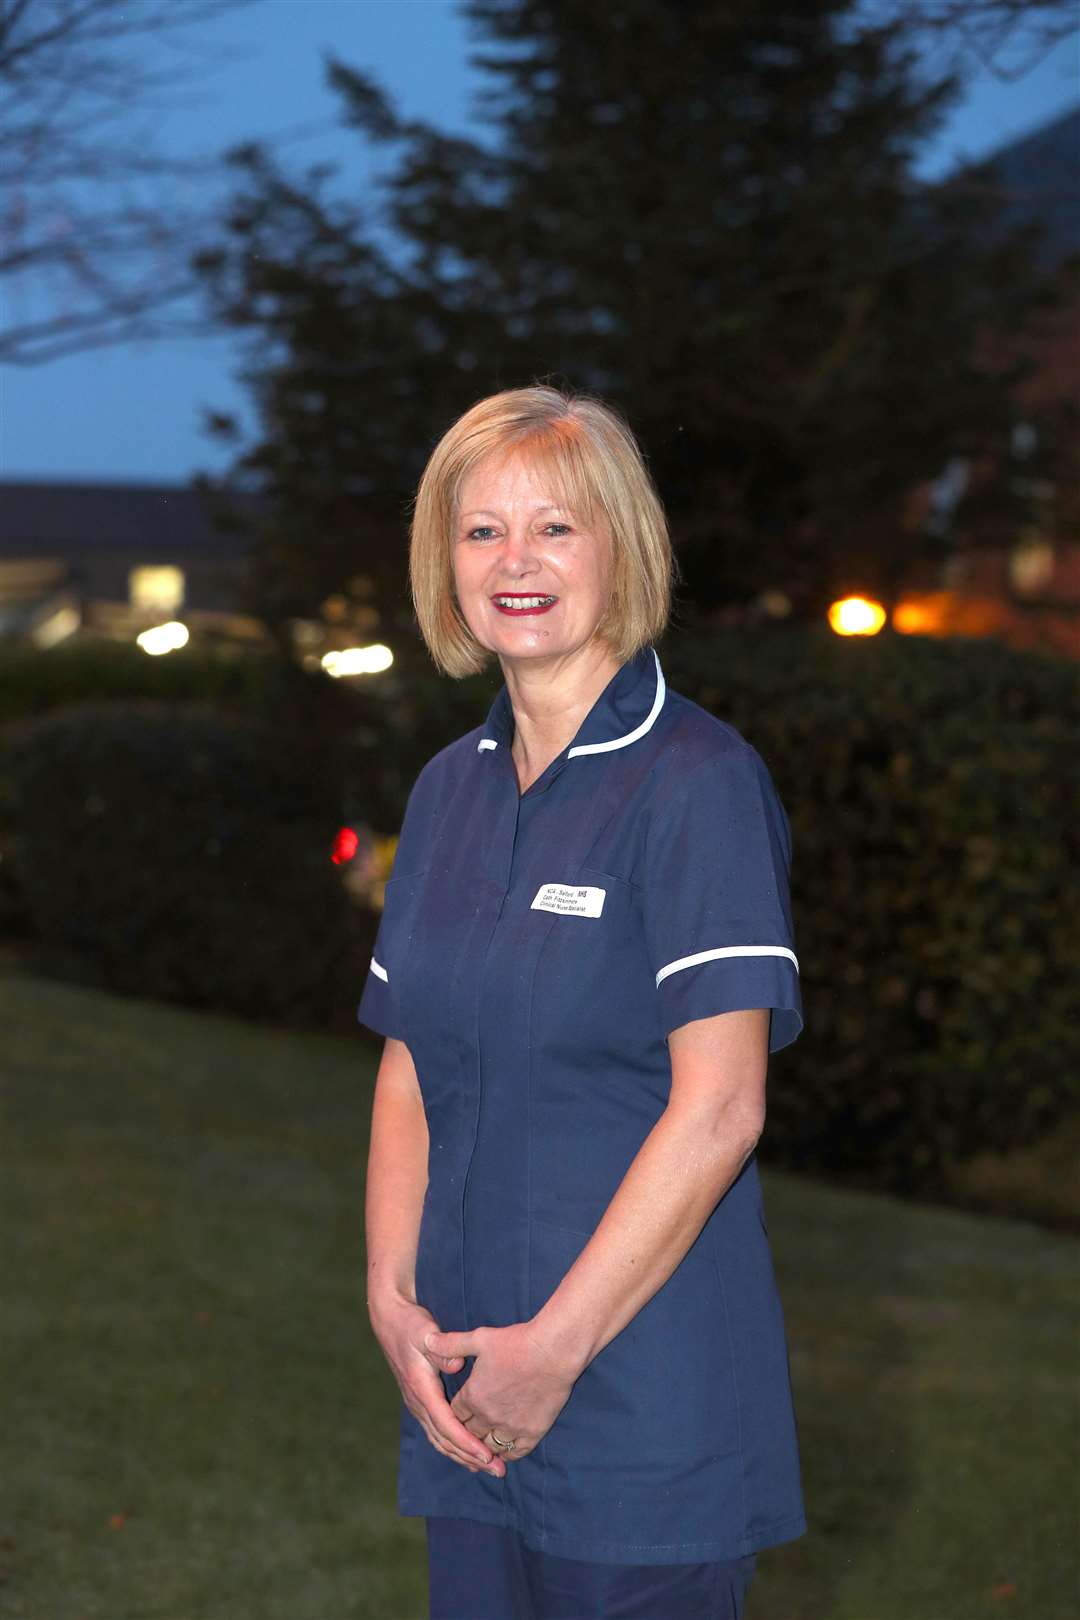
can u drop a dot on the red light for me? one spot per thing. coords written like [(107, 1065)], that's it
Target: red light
[(346, 844)]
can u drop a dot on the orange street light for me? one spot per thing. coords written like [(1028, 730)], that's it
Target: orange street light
[(856, 616)]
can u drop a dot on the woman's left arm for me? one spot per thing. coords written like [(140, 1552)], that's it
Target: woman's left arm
[(714, 1117), (716, 1110)]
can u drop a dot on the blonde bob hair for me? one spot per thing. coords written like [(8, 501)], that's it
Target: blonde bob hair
[(596, 470)]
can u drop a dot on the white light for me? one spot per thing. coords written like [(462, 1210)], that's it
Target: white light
[(159, 589), (57, 627), (358, 660), (163, 638)]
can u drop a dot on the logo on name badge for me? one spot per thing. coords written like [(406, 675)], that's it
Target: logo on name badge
[(569, 900)]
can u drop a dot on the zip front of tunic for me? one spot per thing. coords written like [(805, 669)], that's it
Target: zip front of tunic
[(534, 955)]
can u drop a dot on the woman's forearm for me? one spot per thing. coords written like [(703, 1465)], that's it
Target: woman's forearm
[(397, 1175), (675, 1181)]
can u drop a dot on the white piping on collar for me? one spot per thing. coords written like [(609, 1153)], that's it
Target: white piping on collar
[(616, 742), (639, 731)]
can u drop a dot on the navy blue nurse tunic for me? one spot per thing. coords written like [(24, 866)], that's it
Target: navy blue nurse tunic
[(534, 953)]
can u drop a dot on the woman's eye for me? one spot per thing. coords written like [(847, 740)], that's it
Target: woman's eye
[(559, 528), (483, 532)]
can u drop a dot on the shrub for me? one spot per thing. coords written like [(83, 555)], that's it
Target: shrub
[(384, 729), (931, 786), (169, 851), (34, 680)]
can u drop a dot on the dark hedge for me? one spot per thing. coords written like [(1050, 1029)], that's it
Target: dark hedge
[(88, 667), (932, 790), (169, 851), (931, 786)]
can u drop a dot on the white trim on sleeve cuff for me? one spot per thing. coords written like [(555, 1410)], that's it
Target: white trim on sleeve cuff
[(379, 971), (725, 950)]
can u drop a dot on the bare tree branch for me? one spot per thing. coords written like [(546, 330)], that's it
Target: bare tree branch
[(80, 23), (86, 244), (1006, 37), (88, 248)]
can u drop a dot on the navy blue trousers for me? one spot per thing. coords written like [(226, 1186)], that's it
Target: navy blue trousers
[(483, 1572)]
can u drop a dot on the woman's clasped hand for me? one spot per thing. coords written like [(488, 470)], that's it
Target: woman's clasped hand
[(400, 1325), (514, 1388)]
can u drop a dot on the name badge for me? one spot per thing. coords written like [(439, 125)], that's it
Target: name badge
[(569, 901)]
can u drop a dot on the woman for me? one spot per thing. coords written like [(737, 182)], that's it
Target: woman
[(584, 960)]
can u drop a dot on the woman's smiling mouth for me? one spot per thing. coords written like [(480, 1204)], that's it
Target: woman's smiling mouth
[(513, 602)]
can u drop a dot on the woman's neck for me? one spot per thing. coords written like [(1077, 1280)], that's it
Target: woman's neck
[(550, 700)]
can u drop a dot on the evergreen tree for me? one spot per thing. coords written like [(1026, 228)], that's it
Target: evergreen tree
[(704, 213)]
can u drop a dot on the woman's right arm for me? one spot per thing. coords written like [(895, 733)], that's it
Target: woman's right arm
[(396, 1183), (396, 1179)]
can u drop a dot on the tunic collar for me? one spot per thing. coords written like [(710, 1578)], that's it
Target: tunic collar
[(626, 710)]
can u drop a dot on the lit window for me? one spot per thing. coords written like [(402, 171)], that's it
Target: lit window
[(158, 589)]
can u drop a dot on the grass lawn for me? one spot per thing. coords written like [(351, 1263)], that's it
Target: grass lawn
[(198, 1425)]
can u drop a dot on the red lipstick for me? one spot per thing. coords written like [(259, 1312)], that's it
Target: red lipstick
[(539, 601)]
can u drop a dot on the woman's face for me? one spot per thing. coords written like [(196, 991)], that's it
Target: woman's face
[(513, 542)]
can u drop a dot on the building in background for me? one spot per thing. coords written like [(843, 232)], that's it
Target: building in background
[(120, 560), (115, 560)]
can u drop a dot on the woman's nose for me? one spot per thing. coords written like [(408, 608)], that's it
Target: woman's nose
[(518, 555)]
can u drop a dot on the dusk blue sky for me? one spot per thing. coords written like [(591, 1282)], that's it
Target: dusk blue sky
[(133, 413)]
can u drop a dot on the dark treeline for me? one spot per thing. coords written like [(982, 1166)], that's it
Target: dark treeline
[(704, 213)]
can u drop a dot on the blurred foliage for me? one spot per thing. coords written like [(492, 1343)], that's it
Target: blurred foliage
[(384, 726), (932, 790), (367, 872), (931, 787), (86, 667), (169, 851), (706, 214)]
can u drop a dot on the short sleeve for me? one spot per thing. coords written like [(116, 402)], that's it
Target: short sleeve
[(378, 1007), (716, 902)]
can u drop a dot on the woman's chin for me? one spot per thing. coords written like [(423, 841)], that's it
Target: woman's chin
[(544, 637), (520, 640)]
